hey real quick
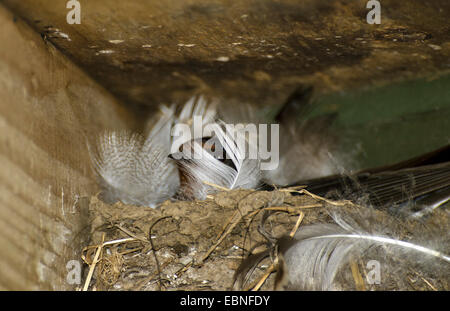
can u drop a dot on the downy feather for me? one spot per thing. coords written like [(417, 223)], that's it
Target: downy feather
[(313, 258), (134, 171)]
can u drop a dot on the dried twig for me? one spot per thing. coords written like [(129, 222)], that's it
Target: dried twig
[(297, 224), (317, 197), (215, 186), (131, 234), (264, 278), (93, 264), (158, 267), (273, 266)]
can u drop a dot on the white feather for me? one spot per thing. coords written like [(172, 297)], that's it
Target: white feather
[(247, 174), (200, 166), (197, 106), (160, 126), (168, 118), (134, 171), (319, 251)]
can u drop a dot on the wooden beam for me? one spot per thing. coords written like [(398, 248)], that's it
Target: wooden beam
[(49, 109)]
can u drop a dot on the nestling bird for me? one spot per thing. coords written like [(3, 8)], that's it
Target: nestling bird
[(144, 170), (136, 169), (148, 170)]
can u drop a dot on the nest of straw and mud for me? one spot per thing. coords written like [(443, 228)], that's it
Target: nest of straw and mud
[(199, 245)]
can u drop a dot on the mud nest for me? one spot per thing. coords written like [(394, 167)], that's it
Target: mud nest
[(199, 245)]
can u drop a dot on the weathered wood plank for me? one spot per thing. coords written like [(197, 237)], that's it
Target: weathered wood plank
[(258, 51), (49, 109)]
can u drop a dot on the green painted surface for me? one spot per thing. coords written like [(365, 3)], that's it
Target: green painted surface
[(391, 123)]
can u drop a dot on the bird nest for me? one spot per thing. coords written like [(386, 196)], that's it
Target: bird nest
[(199, 245)]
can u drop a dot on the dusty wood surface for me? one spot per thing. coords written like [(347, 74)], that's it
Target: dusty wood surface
[(257, 51), (48, 110)]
